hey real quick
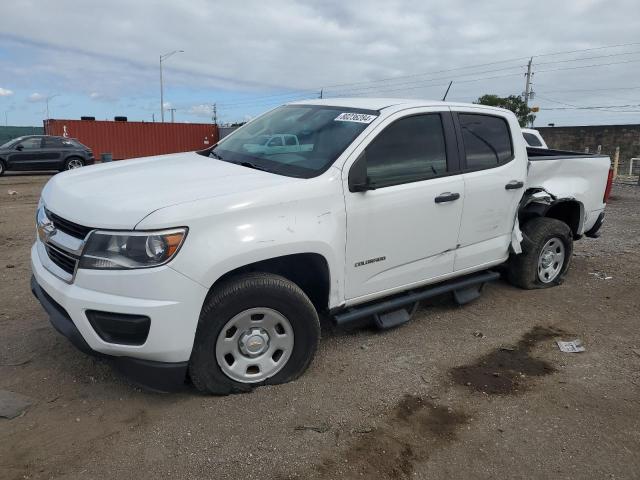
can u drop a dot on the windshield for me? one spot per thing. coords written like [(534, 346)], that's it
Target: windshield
[(10, 142), (295, 140)]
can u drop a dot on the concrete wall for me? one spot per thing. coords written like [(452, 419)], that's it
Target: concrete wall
[(627, 137)]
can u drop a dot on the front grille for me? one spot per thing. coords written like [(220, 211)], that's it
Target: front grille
[(63, 260), (73, 229)]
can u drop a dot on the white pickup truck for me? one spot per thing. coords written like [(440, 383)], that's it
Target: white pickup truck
[(216, 265)]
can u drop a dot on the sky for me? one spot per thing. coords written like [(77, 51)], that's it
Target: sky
[(102, 58)]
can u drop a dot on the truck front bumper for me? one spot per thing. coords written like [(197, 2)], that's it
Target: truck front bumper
[(160, 363)]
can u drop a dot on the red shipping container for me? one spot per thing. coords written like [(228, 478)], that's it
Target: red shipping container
[(135, 139)]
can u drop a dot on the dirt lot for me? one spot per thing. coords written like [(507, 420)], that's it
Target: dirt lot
[(461, 392)]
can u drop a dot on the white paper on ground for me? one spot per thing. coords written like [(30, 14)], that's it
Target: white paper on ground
[(574, 346)]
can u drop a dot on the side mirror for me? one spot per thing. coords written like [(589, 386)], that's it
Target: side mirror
[(358, 180), (19, 147)]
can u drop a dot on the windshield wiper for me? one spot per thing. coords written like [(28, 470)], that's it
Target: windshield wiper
[(215, 155), (252, 165)]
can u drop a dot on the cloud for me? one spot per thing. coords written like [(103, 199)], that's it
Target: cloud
[(299, 47), (36, 97), (5, 92), (202, 110)]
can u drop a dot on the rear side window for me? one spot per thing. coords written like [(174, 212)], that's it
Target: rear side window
[(487, 141), (531, 139), (408, 150), (51, 142)]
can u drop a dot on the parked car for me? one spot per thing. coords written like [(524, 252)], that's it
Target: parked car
[(218, 263), (278, 143), (44, 152), (533, 138)]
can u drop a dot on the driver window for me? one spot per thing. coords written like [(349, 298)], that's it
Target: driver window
[(409, 150), (275, 142), (30, 143)]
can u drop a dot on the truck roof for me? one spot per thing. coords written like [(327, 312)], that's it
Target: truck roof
[(382, 103)]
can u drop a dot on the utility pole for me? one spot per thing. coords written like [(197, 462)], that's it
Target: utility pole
[(528, 94), (173, 111), (215, 114), (321, 92), (153, 117), (527, 85)]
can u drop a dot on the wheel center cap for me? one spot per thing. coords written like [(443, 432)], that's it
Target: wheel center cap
[(254, 342), (547, 259)]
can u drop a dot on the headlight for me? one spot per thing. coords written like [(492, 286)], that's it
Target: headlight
[(127, 250)]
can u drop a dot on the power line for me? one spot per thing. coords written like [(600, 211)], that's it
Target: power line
[(587, 58), (591, 89), (315, 90)]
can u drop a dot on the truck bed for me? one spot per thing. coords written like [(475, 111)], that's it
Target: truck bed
[(572, 176)]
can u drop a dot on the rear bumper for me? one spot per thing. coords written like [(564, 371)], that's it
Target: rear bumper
[(159, 376)]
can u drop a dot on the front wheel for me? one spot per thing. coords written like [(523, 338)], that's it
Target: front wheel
[(546, 254), (2, 168), (255, 329)]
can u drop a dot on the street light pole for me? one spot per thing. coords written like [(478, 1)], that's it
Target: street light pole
[(164, 57), (50, 97)]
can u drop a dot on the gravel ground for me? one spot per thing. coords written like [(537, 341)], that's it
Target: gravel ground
[(479, 391)]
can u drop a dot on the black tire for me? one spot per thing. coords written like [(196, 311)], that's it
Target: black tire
[(68, 161), (522, 270), (254, 290), (3, 167)]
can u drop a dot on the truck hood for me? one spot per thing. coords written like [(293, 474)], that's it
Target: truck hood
[(118, 195)]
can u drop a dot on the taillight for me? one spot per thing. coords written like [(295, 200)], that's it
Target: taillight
[(607, 190)]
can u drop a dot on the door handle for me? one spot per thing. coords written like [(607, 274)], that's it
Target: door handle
[(447, 197), (514, 185)]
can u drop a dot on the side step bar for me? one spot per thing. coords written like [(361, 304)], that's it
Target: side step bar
[(460, 288)]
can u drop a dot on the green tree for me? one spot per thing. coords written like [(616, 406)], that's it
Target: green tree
[(513, 103)]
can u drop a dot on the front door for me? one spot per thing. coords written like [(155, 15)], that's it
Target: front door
[(404, 231), (26, 155)]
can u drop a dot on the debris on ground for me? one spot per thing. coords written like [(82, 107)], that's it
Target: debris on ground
[(322, 428), (10, 265), (574, 346), (363, 430), (478, 334), (601, 275), (12, 192), (12, 404), (636, 351)]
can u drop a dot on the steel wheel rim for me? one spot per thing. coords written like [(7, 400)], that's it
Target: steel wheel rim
[(74, 163), (551, 260), (254, 345)]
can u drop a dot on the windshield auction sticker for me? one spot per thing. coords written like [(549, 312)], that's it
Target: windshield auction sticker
[(355, 117)]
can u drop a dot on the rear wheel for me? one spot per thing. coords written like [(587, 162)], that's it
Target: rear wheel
[(546, 254), (2, 168), (255, 329), (73, 163)]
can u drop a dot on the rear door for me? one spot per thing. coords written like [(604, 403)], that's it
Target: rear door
[(495, 166), (52, 148), (26, 155), (404, 232)]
